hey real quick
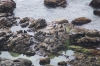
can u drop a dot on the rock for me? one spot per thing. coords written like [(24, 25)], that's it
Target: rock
[(87, 38), (7, 6), (44, 61), (21, 44), (61, 21), (30, 52), (20, 31), (84, 60), (24, 62), (40, 23), (95, 3), (17, 62), (55, 3), (81, 49), (3, 15), (62, 63), (24, 20), (81, 21), (33, 23), (23, 25), (96, 12), (6, 22)]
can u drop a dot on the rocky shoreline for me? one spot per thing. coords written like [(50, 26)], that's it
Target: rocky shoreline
[(48, 39)]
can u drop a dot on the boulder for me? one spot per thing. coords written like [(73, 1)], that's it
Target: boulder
[(7, 6), (95, 3), (62, 63), (24, 20), (55, 3), (84, 60), (44, 61), (81, 21), (96, 12), (87, 38), (40, 23), (23, 25), (6, 22), (17, 62), (24, 62), (21, 44)]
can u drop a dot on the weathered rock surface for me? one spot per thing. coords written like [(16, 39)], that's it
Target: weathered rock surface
[(62, 63), (52, 41), (81, 21), (44, 61), (21, 43), (84, 60), (96, 12), (37, 24), (55, 3), (7, 22), (60, 21), (7, 6), (83, 37), (17, 62), (95, 3)]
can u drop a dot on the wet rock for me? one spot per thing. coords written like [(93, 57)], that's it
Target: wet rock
[(96, 12), (6, 22), (24, 62), (20, 44), (84, 60), (40, 23), (24, 20), (89, 38), (55, 3), (20, 31), (61, 21), (30, 52), (37, 24), (93, 33), (7, 6), (81, 21), (23, 25), (44, 61), (62, 63), (95, 3), (17, 62)]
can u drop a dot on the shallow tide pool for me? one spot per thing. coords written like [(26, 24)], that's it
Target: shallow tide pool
[(35, 58)]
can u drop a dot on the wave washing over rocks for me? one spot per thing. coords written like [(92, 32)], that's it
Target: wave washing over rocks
[(36, 37)]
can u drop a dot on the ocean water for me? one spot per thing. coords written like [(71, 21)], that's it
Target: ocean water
[(35, 58), (74, 9)]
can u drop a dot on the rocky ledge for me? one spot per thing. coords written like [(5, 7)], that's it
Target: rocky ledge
[(17, 62)]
